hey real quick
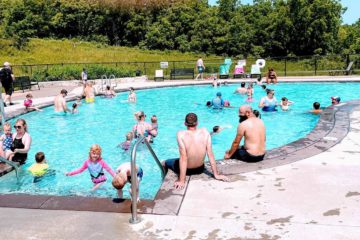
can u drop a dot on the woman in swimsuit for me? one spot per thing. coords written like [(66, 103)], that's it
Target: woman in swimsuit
[(271, 76), (96, 165), (269, 102), (132, 96), (142, 128), (21, 143)]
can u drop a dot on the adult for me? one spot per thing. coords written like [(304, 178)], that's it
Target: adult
[(132, 96), (218, 102), (109, 92), (21, 143), (253, 131), (60, 102), (269, 102), (200, 67), (335, 100), (7, 78), (89, 93), (271, 76), (142, 128), (84, 76), (194, 144), (242, 89)]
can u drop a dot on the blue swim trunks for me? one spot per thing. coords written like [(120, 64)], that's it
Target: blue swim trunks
[(139, 175)]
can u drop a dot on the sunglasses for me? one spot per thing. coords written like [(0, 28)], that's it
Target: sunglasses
[(17, 127)]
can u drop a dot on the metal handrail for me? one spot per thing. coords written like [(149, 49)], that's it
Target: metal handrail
[(112, 77), (134, 219), (103, 79), (14, 165)]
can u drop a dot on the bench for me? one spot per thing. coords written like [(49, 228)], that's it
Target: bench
[(347, 71), (181, 72), (24, 82)]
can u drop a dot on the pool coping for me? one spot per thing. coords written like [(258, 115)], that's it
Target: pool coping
[(332, 127)]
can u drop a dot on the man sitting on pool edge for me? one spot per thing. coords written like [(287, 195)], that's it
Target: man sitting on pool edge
[(193, 144), (253, 131)]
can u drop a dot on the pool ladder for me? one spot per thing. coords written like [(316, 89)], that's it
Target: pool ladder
[(14, 165), (134, 219), (108, 81)]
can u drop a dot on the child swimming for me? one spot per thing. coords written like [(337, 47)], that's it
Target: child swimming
[(41, 166), (74, 108), (316, 110), (123, 176), (127, 143), (95, 164), (285, 103)]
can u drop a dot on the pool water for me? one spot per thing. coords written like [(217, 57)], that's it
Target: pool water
[(66, 140)]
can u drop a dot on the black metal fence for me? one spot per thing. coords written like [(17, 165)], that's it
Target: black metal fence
[(284, 66)]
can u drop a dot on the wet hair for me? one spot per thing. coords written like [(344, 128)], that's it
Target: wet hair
[(23, 123), (107, 87), (95, 148), (284, 99), (316, 105), (208, 103), (131, 89), (118, 184), (153, 119), (74, 105), (39, 157), (129, 136), (216, 128), (263, 86), (191, 120), (63, 91), (242, 84), (259, 79), (268, 90), (29, 95), (256, 113)]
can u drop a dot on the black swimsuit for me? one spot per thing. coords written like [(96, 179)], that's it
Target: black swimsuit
[(18, 144)]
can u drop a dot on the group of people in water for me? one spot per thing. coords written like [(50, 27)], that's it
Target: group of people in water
[(194, 143)]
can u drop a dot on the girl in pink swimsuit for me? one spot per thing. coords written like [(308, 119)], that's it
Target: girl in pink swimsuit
[(96, 165)]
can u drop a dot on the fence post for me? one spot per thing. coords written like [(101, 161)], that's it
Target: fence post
[(144, 68), (285, 66), (315, 62)]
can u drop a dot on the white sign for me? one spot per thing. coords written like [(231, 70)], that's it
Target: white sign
[(164, 64)]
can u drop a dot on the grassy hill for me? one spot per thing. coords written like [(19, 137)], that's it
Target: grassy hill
[(47, 51)]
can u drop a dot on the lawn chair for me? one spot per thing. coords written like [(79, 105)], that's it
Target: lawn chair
[(255, 71), (159, 75), (347, 71), (225, 68)]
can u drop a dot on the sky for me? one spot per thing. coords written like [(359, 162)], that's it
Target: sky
[(351, 15)]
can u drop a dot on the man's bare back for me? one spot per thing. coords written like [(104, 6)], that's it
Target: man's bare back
[(194, 143), (60, 103), (254, 136)]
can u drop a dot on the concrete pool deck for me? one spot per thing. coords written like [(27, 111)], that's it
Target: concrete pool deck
[(315, 198)]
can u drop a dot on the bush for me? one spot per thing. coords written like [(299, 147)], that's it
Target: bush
[(71, 72)]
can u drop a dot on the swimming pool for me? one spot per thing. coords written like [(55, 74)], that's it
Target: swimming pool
[(66, 139)]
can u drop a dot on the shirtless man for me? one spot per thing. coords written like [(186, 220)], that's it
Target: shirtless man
[(89, 93), (242, 89), (60, 102), (253, 131), (194, 144)]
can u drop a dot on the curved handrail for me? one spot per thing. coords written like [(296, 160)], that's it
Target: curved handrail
[(134, 219), (112, 77), (103, 80), (14, 165)]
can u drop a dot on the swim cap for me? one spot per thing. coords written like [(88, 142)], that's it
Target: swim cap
[(218, 94)]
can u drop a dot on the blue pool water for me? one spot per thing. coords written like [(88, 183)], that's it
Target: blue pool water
[(66, 139)]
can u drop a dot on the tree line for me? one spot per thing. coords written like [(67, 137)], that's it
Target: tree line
[(266, 28)]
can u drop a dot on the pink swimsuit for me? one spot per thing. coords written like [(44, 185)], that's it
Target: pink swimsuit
[(96, 170)]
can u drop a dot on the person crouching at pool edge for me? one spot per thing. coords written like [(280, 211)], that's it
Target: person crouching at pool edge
[(194, 144), (253, 130), (123, 176), (335, 100)]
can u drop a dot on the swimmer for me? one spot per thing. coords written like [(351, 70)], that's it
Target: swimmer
[(109, 93), (241, 90), (96, 165), (257, 113), (132, 96), (142, 128), (217, 102), (227, 104), (154, 126), (316, 110), (127, 144), (335, 100), (74, 108), (285, 103), (218, 129), (269, 102), (89, 93), (41, 166), (123, 176)]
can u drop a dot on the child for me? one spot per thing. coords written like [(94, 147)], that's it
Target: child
[(28, 103), (316, 109), (132, 96), (6, 139), (109, 93), (74, 108), (154, 125), (257, 113), (123, 175), (285, 103), (39, 168), (218, 129), (127, 144), (95, 164)]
